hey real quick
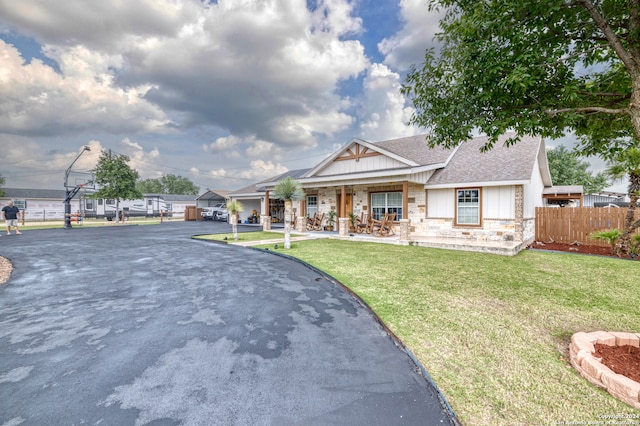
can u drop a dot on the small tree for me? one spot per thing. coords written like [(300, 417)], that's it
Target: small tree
[(234, 207), (627, 163), (116, 179), (610, 235), (1, 184), (288, 189)]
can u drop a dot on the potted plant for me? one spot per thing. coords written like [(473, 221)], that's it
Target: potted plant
[(352, 222), (331, 220)]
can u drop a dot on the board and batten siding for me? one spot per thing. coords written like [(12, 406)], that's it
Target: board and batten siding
[(498, 202), (378, 162), (440, 203)]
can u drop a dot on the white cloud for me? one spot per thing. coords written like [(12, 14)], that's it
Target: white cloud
[(383, 112), (263, 149), (263, 169), (217, 173), (140, 160), (223, 144), (269, 69), (407, 47), (36, 100)]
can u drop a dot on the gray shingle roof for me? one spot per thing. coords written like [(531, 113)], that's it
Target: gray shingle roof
[(469, 165), (416, 149), (30, 193), (564, 189)]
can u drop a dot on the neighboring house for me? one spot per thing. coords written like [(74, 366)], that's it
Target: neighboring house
[(459, 194), (41, 204), (607, 199), (48, 204)]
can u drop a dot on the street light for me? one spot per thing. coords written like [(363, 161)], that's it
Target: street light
[(70, 193)]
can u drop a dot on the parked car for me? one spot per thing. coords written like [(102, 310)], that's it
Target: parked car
[(217, 212)]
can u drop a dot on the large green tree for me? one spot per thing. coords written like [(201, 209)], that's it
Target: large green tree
[(567, 169), (627, 163), (168, 184), (150, 186), (115, 179), (1, 184), (537, 67)]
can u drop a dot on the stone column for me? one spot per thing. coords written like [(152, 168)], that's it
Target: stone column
[(301, 224), (266, 222), (344, 226), (405, 225), (519, 219)]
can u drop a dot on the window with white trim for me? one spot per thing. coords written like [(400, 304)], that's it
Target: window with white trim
[(312, 205), (468, 206), (386, 202)]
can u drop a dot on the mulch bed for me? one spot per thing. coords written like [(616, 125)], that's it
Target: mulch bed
[(573, 248), (623, 360)]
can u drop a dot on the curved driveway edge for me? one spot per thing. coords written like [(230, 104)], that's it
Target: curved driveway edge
[(144, 325)]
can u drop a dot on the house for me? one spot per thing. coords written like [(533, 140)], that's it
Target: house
[(607, 199), (39, 204), (48, 204), (469, 199)]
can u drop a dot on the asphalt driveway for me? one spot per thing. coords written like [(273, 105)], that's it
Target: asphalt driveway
[(142, 325)]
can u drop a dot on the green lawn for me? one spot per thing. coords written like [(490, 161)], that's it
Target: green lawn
[(493, 331)]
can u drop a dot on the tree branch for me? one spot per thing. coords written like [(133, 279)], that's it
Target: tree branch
[(611, 36), (634, 27), (587, 110)]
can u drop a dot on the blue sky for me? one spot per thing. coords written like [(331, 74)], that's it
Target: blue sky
[(225, 93)]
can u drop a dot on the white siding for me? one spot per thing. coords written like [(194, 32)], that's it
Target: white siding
[(38, 209), (533, 192), (498, 202), (379, 162), (440, 203)]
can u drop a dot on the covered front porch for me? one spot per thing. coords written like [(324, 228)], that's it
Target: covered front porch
[(503, 248)]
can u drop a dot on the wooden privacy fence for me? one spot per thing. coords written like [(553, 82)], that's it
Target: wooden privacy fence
[(568, 224)]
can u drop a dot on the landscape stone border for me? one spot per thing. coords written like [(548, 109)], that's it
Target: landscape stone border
[(581, 351)]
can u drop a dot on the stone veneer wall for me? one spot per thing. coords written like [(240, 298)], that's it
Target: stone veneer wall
[(529, 230), (492, 229)]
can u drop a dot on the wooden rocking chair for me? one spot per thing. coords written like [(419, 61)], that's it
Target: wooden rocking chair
[(317, 223), (310, 221), (363, 223), (384, 227)]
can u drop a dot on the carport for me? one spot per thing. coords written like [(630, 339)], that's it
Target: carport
[(211, 198)]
